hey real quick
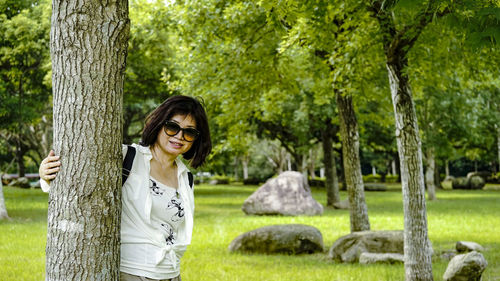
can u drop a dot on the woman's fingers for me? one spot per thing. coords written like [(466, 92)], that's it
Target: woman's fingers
[(50, 177), (51, 171), (50, 165)]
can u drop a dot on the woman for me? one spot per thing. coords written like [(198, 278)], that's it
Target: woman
[(157, 197)]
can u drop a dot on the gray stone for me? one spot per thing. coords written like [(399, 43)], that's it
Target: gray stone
[(20, 182), (467, 246), (476, 182), (470, 182), (369, 258), (466, 267), (348, 248), (447, 255), (344, 205), (287, 238), (287, 194), (460, 183)]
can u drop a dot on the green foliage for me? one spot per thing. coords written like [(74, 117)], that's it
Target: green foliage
[(222, 179), (149, 67), (379, 178), (24, 68)]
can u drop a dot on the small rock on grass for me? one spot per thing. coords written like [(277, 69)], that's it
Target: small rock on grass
[(467, 246), (467, 267)]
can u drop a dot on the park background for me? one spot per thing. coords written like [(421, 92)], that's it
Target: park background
[(270, 74)]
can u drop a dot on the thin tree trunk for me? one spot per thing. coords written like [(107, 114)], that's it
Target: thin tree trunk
[(332, 181), (235, 168), (303, 166), (19, 149), (447, 169), (3, 209), (393, 167), (353, 177), (498, 145), (437, 176), (20, 157), (244, 163), (429, 174), (288, 162), (311, 166), (418, 265), (88, 48)]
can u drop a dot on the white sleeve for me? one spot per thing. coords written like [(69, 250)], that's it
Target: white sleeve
[(124, 151), (44, 185)]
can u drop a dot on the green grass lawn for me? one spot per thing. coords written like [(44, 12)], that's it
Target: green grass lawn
[(456, 215)]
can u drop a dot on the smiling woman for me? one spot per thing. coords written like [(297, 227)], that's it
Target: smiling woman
[(157, 194)]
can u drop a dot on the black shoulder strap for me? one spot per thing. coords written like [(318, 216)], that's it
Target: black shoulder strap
[(191, 179), (127, 163)]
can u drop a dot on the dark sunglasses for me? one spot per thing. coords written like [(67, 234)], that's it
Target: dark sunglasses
[(188, 134)]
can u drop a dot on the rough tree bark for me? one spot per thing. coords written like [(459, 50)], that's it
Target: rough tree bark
[(332, 181), (311, 167), (418, 265), (397, 44), (3, 209), (498, 145), (352, 167), (244, 163), (429, 174), (88, 48)]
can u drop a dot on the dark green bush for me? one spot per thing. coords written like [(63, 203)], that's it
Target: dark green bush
[(317, 182)]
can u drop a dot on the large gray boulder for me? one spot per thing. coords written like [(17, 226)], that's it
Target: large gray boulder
[(476, 182), (286, 238), (466, 267), (288, 194), (460, 183), (369, 258), (348, 248), (472, 182)]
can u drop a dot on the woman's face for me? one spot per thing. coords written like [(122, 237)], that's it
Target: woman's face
[(176, 145)]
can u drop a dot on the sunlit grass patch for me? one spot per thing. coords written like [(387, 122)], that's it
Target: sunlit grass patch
[(456, 215)]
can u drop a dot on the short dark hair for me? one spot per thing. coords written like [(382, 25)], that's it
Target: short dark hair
[(182, 105)]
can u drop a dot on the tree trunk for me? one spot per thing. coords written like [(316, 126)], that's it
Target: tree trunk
[(447, 169), (311, 166), (20, 151), (235, 168), (352, 167), (288, 162), (3, 209), (19, 144), (437, 176), (498, 145), (303, 167), (429, 174), (332, 181), (393, 167), (88, 48), (418, 265), (244, 163)]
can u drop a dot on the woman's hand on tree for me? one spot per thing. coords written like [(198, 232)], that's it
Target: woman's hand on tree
[(49, 167)]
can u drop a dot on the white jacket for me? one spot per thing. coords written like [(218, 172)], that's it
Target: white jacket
[(136, 224)]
